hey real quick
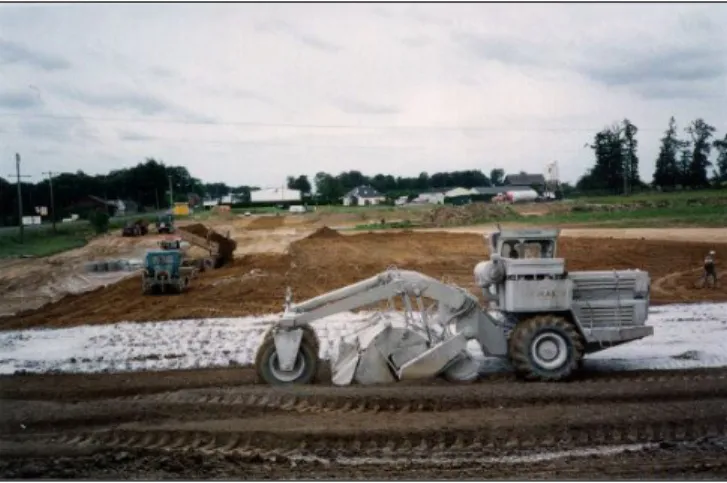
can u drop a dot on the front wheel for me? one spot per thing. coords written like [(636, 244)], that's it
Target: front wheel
[(304, 370), (545, 348)]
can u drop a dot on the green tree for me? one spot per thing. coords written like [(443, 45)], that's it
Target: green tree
[(300, 183), (497, 177), (700, 132), (100, 221), (630, 157), (607, 174), (683, 165), (328, 188), (667, 172), (720, 173)]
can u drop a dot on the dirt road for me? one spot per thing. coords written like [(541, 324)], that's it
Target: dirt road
[(411, 430), (698, 235)]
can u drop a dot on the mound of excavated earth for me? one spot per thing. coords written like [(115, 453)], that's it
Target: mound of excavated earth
[(444, 216), (255, 284)]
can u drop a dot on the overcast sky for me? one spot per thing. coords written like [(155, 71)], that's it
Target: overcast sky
[(247, 94)]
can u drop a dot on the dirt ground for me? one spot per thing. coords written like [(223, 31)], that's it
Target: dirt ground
[(625, 426), (255, 283), (220, 424)]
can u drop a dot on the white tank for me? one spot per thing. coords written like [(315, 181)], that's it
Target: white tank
[(527, 195)]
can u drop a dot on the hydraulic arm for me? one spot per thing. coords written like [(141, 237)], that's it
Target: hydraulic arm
[(458, 318)]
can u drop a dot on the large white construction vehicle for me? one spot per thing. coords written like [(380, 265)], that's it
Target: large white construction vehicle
[(539, 316)]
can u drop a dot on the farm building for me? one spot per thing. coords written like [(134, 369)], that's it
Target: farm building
[(209, 204), (478, 193), (275, 195), (525, 180), (434, 197), (363, 195)]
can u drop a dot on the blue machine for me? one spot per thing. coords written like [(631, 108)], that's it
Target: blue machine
[(163, 272)]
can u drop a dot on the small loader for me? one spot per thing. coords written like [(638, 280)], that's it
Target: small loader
[(135, 228), (165, 223), (164, 273)]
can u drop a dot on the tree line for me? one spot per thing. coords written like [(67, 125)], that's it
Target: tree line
[(682, 162), (147, 184)]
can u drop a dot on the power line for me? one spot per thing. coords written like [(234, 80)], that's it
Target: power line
[(306, 126)]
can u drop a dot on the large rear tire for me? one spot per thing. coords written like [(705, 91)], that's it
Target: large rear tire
[(545, 348), (305, 369)]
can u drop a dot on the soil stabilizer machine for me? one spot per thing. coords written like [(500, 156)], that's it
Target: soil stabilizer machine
[(538, 316)]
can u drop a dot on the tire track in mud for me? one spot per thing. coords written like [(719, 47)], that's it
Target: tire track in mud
[(256, 402), (440, 444), (337, 400), (660, 285), (77, 387), (705, 461)]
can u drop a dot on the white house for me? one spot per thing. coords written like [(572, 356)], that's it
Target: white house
[(274, 195), (230, 199), (363, 195), (209, 204)]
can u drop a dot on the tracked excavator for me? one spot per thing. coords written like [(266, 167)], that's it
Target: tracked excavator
[(537, 315)]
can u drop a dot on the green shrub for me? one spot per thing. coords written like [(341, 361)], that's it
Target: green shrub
[(100, 222)]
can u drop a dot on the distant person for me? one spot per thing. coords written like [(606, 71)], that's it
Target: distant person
[(709, 269)]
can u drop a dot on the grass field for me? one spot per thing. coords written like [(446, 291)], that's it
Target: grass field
[(679, 215), (704, 216), (676, 197), (40, 241)]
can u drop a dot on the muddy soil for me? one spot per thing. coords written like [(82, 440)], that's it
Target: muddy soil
[(31, 283), (701, 460), (248, 431), (255, 284)]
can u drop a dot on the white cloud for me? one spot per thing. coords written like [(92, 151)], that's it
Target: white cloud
[(250, 93)]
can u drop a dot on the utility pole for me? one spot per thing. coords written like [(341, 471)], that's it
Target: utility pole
[(171, 193), (20, 195), (52, 202)]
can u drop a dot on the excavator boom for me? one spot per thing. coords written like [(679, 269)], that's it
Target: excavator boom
[(419, 349)]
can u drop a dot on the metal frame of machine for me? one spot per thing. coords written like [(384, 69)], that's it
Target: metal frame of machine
[(540, 317), (165, 223), (164, 272)]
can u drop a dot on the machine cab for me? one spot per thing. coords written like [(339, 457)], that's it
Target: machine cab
[(165, 220), (526, 243), (166, 262)]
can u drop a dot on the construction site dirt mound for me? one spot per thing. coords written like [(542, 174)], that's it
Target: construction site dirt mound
[(468, 214), (255, 284), (266, 222), (324, 233), (227, 245), (196, 229)]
